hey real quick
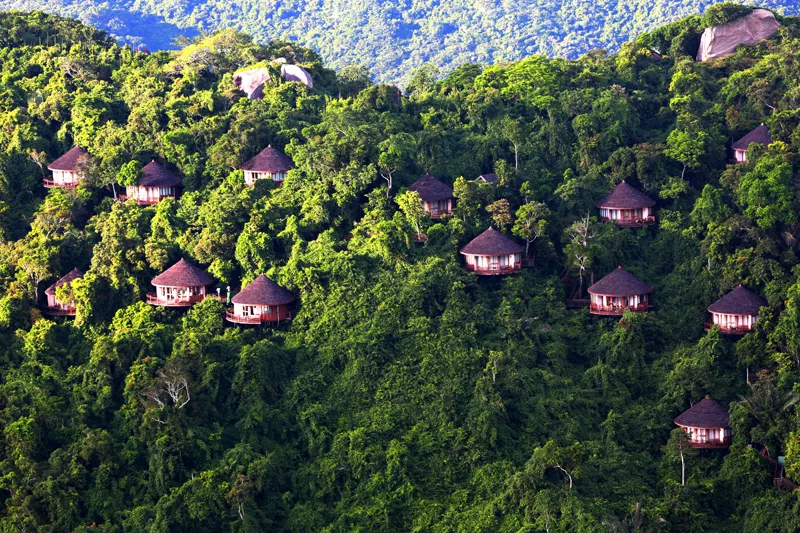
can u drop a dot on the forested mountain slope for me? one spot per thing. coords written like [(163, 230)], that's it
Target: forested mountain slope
[(392, 37), (407, 394)]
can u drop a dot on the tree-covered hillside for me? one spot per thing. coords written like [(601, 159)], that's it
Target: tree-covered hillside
[(392, 37), (407, 394)]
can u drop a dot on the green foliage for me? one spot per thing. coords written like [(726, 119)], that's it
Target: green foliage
[(406, 394)]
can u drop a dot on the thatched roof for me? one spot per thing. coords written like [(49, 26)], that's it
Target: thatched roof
[(183, 274), (68, 161), (431, 189), (269, 160), (157, 175), (705, 414), (626, 196), (491, 242), (488, 178), (73, 274), (760, 135), (620, 283), (263, 291), (739, 301)]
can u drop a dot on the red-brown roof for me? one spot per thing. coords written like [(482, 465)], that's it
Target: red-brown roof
[(626, 196), (739, 301), (491, 242), (157, 175), (73, 274), (760, 135), (68, 161), (620, 283), (269, 160), (263, 291), (183, 274), (705, 414), (431, 189)]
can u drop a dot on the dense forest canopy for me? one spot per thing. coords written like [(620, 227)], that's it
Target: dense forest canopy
[(393, 37), (407, 394)]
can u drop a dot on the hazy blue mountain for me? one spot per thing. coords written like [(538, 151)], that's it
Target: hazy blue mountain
[(392, 37)]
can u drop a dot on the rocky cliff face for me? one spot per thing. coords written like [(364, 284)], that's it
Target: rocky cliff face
[(722, 40)]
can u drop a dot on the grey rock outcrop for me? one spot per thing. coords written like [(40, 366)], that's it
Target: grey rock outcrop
[(722, 40), (252, 81)]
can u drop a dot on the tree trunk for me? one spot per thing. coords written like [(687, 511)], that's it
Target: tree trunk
[(683, 470)]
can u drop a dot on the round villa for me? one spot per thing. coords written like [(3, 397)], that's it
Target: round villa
[(66, 169), (261, 301), (707, 424), (618, 291), (157, 182), (492, 253), (181, 285), (627, 206), (736, 312), (437, 198), (270, 163), (54, 306), (760, 135)]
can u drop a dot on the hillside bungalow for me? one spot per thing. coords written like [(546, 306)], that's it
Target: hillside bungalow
[(261, 301), (181, 285), (269, 163), (627, 206), (437, 198), (707, 424), (491, 179), (760, 135), (492, 253), (54, 306), (618, 291), (736, 312), (66, 169), (157, 182)]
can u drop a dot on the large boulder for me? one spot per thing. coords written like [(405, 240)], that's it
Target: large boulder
[(252, 82), (722, 40)]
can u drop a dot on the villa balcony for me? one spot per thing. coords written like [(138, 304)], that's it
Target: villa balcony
[(616, 310), (59, 311), (494, 269), (182, 301), (729, 330), (254, 320), (711, 445), (631, 222), (50, 183)]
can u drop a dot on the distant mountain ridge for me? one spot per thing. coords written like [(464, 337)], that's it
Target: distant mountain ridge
[(392, 37)]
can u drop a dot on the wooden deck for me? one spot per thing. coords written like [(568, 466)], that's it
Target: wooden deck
[(715, 445), (50, 183), (255, 320), (59, 311), (495, 269), (606, 310), (632, 222), (728, 331)]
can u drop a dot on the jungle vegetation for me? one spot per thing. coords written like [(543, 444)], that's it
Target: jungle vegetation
[(407, 394)]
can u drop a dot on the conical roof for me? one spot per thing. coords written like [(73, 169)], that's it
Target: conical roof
[(73, 274), (705, 414), (491, 242), (620, 283), (739, 301), (155, 174), (269, 160), (263, 291), (431, 189), (626, 196), (760, 135), (68, 161), (183, 274)]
